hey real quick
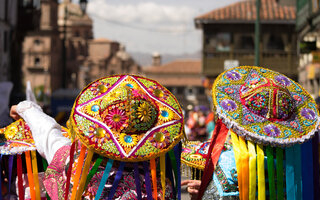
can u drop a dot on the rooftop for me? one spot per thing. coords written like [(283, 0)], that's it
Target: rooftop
[(270, 12)]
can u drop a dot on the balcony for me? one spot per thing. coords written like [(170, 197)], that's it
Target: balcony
[(281, 61)]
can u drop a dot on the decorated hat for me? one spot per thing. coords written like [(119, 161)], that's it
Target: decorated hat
[(129, 119), (267, 114), (15, 140), (193, 158)]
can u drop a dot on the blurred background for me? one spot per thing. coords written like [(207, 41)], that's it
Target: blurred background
[(59, 46)]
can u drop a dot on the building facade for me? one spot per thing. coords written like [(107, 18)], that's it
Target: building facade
[(106, 58), (229, 33), (42, 52), (183, 78), (307, 26)]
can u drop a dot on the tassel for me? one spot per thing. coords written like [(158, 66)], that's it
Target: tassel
[(104, 178), (154, 178), (78, 172), (30, 176)]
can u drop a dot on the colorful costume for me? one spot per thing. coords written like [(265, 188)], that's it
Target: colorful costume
[(121, 128), (271, 120)]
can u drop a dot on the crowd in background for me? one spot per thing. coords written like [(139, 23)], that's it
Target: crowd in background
[(199, 124)]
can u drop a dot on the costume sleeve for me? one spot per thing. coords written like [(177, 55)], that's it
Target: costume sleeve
[(45, 130)]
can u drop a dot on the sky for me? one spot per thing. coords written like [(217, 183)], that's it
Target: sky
[(149, 26)]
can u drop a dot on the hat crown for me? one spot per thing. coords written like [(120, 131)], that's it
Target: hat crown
[(264, 97)]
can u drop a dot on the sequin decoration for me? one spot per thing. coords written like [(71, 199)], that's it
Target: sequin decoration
[(271, 108), (194, 154), (17, 138), (127, 118)]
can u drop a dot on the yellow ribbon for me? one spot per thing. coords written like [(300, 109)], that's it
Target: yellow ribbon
[(252, 170), (236, 150), (85, 173), (78, 172), (163, 174), (35, 174), (244, 157), (260, 171)]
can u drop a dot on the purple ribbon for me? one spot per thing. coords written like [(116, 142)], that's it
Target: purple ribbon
[(177, 153), (148, 182), (116, 181), (137, 180), (0, 177), (10, 172)]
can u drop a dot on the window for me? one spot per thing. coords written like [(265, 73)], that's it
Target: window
[(76, 34), (223, 41), (37, 42), (37, 61), (246, 42), (275, 43)]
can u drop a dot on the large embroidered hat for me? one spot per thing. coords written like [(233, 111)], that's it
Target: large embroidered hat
[(265, 106), (127, 118), (270, 119)]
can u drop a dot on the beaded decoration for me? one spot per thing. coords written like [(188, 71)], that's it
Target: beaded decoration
[(17, 138), (265, 106), (127, 118), (194, 154)]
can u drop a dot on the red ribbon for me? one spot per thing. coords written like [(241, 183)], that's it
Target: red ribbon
[(69, 170), (216, 145), (20, 181)]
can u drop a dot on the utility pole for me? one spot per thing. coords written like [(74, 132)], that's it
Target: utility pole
[(257, 35)]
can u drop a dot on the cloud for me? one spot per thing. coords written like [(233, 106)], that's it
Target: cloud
[(175, 18)]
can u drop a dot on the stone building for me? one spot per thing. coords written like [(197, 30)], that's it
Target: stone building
[(105, 58), (42, 51), (228, 35), (75, 28), (182, 77)]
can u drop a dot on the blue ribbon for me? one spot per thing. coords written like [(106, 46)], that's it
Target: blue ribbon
[(169, 173), (148, 181), (297, 170), (290, 188), (177, 153), (104, 178), (116, 180), (137, 180), (307, 170), (316, 178)]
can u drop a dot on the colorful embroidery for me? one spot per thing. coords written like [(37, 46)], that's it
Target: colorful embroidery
[(265, 106), (137, 117)]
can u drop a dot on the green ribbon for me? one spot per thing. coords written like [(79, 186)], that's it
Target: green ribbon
[(280, 175), (93, 170), (272, 187), (174, 166)]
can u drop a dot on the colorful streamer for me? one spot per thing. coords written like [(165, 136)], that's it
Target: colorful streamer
[(244, 159), (69, 170), (78, 172), (116, 181), (104, 178), (163, 174), (154, 178), (252, 171), (270, 164), (30, 176), (137, 181), (260, 172), (84, 174), (147, 179), (280, 184), (19, 174)]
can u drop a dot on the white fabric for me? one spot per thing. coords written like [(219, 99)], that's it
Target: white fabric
[(45, 130)]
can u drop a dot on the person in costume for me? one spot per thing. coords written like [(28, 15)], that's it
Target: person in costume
[(121, 128), (272, 122)]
